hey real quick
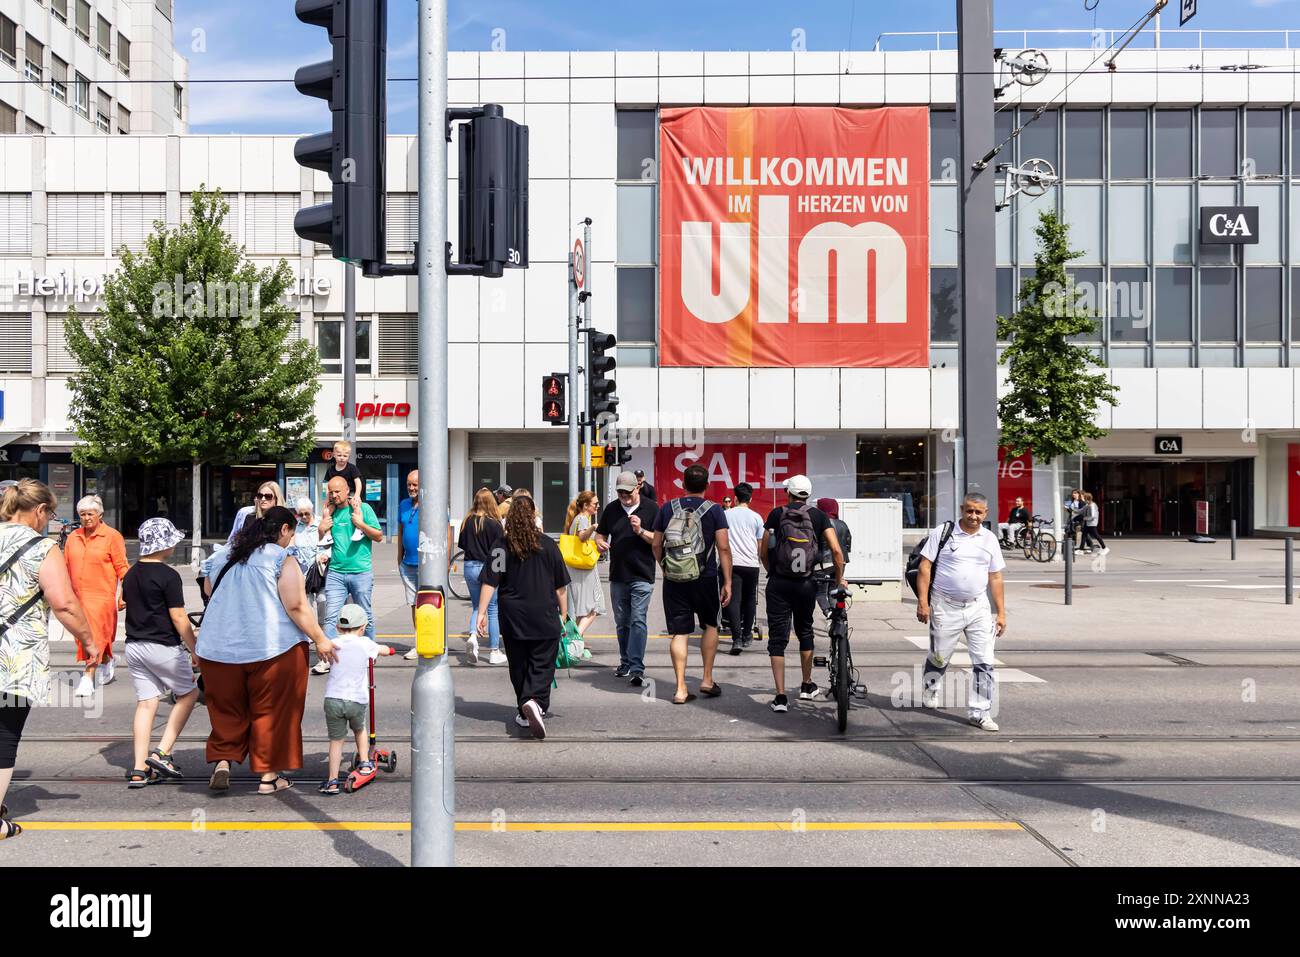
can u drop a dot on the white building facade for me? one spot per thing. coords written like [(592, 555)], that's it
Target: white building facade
[(1201, 340)]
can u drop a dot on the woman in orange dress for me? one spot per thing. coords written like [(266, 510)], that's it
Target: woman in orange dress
[(96, 557)]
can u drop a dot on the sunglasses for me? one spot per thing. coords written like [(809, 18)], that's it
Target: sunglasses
[(622, 493), (304, 514), (266, 495)]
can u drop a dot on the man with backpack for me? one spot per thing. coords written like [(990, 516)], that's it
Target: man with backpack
[(798, 532), (691, 545), (957, 566)]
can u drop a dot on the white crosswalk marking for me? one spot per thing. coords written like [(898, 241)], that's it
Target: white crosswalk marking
[(961, 659)]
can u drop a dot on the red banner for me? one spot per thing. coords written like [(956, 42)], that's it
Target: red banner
[(763, 465), (1015, 479), (1293, 484), (794, 236)]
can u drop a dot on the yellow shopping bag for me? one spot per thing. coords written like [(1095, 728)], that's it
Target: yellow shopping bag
[(577, 553)]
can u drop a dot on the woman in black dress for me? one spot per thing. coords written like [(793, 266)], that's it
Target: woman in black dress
[(530, 579)]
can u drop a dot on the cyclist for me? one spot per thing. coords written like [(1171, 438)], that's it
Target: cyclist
[(1019, 515)]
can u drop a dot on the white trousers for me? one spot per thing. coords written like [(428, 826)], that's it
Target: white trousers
[(951, 620)]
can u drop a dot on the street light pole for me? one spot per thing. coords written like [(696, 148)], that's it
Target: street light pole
[(350, 357), (433, 765)]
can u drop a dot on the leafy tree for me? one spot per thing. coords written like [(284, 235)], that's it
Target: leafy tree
[(191, 359), (1054, 394)]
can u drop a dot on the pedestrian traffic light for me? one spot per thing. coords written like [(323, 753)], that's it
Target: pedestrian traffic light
[(602, 403), (553, 399), (352, 82), (624, 455)]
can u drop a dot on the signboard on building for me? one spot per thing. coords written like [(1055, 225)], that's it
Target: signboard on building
[(1186, 10), (1169, 445), (1229, 225), (794, 236), (764, 465)]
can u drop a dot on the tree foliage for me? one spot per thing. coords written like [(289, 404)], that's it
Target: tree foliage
[(1053, 395), (169, 378)]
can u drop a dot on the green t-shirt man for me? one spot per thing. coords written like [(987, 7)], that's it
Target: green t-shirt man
[(350, 557)]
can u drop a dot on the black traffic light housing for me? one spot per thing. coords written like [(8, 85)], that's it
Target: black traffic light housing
[(554, 395), (602, 402), (492, 192)]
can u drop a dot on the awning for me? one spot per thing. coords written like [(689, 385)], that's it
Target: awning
[(7, 438)]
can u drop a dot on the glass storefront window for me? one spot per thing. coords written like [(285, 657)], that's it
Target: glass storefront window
[(896, 466)]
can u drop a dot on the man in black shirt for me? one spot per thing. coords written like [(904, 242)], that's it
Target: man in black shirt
[(1019, 515), (797, 531), (645, 488), (627, 528)]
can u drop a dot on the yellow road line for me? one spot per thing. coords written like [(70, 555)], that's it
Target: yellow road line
[(461, 634), (526, 826)]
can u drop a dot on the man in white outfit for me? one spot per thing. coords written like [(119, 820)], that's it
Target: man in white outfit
[(963, 570)]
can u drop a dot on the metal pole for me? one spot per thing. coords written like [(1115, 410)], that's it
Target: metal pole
[(433, 759), (1290, 571), (978, 272), (1232, 528), (350, 356), (574, 404), (1069, 571), (589, 429)]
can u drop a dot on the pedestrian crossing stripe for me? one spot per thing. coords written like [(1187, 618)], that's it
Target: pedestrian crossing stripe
[(961, 659)]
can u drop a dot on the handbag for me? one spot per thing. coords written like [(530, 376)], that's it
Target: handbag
[(577, 553), (316, 575)]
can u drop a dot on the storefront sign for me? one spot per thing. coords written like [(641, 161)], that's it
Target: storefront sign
[(1015, 480), (763, 465), (1169, 445), (374, 490), (794, 236), (372, 410), (1229, 225), (1293, 484)]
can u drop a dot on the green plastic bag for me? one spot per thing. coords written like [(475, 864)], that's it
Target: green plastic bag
[(572, 649)]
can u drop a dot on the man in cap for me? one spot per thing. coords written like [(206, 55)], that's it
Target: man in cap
[(626, 528), (503, 494), (647, 490), (798, 532)]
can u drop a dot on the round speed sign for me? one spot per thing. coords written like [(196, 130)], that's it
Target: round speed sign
[(579, 264)]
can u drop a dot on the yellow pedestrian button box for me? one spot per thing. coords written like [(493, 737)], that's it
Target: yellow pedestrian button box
[(430, 623), (594, 456)]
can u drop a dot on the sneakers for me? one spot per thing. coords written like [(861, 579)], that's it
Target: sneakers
[(1106, 550), (497, 657), (533, 716), (779, 704), (930, 697), (410, 655), (85, 688), (807, 691), (622, 671), (636, 679), (984, 724), (521, 721), (321, 667), (471, 650), (104, 673)]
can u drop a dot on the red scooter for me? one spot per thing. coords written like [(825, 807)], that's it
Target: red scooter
[(379, 758)]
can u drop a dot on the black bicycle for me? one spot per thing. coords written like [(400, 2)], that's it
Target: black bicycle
[(839, 664), (67, 529)]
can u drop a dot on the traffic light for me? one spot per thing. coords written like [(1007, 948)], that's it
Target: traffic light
[(352, 223), (623, 454), (553, 399), (493, 192), (602, 403)]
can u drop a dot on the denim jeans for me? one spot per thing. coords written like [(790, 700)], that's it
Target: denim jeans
[(474, 582), (339, 588), (631, 604)]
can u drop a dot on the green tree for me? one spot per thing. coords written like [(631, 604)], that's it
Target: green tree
[(191, 359), (1054, 392)]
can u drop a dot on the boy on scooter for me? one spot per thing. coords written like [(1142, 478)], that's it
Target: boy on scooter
[(347, 693)]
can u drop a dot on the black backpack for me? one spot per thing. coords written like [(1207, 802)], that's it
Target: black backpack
[(914, 561), (796, 543)]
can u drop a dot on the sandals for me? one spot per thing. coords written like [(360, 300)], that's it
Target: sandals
[(711, 692), (140, 777), (220, 780), (9, 829), (276, 784), (162, 762), (687, 700), (330, 787), (366, 767)]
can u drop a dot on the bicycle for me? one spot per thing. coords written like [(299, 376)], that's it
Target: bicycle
[(67, 529), (843, 677), (461, 591), (1039, 544)]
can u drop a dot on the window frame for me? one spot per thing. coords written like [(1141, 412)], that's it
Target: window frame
[(333, 365)]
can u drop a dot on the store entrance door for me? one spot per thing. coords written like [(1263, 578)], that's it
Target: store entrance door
[(1146, 497)]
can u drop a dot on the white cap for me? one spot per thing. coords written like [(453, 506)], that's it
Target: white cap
[(799, 486)]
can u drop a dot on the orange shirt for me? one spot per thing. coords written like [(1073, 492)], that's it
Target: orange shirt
[(96, 561)]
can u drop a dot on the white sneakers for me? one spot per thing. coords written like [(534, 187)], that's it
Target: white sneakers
[(104, 673), (85, 688), (984, 724), (497, 657), (410, 655), (533, 715), (471, 650), (930, 697)]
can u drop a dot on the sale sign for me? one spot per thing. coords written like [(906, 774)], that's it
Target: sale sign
[(763, 465), (794, 236), (1293, 483), (1015, 479)]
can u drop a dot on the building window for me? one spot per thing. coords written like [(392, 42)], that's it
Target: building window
[(943, 145), (269, 223), (1173, 144), (1128, 144), (1264, 305), (398, 345), (1128, 306), (401, 226), (329, 343), (134, 215), (945, 306), (1218, 305), (1083, 155), (8, 118), (16, 344), (35, 56), (164, 7), (124, 54), (8, 42), (177, 98), (104, 113), (1173, 305), (1264, 142), (229, 223), (123, 119), (1089, 282), (104, 36), (76, 224), (896, 466), (1218, 142), (15, 220), (60, 8), (1038, 137), (58, 79), (81, 92), (637, 149), (34, 128), (1295, 305), (635, 249), (83, 20)]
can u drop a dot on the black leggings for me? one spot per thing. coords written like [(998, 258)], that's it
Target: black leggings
[(13, 715), (744, 602), (1090, 531)]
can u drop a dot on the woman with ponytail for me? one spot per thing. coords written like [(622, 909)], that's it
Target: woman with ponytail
[(252, 649)]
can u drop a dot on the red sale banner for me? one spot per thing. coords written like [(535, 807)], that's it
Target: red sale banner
[(763, 465), (794, 236), (1293, 483), (1015, 479)]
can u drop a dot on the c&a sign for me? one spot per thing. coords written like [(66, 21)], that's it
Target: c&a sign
[(794, 236)]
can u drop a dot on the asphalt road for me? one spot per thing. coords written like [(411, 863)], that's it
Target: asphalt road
[(1155, 721)]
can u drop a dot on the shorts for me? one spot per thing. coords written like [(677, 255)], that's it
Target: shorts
[(157, 669), (684, 602), (410, 575), (340, 716)]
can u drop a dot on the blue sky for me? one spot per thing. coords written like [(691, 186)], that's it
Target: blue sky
[(242, 40)]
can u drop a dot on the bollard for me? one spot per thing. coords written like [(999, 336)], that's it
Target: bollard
[(1232, 528), (1290, 568), (1069, 571)]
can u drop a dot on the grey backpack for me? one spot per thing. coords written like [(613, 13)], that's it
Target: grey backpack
[(684, 546)]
